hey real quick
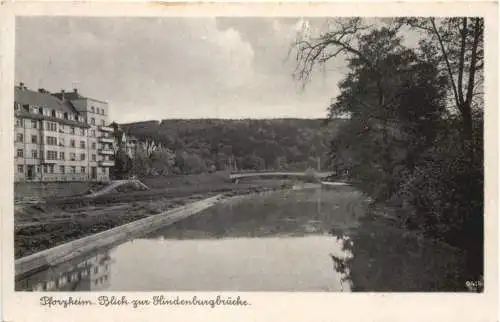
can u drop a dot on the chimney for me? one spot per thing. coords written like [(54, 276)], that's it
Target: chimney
[(21, 85), (42, 90), (75, 90), (62, 94)]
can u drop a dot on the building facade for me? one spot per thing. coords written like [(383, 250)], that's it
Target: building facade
[(61, 137), (81, 275)]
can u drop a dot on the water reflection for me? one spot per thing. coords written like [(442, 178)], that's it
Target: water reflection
[(302, 240), (91, 273), (386, 259), (228, 264), (285, 214)]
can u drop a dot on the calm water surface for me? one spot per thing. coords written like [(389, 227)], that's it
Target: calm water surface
[(280, 241), (270, 242)]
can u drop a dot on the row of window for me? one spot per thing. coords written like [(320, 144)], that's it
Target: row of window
[(51, 140), (50, 168), (97, 110), (93, 133), (63, 280), (52, 126), (57, 114), (52, 155), (46, 112)]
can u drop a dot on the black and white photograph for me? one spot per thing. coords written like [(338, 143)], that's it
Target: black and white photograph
[(249, 154)]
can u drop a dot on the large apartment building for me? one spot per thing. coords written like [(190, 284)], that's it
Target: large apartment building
[(61, 137)]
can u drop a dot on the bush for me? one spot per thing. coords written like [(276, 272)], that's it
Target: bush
[(310, 175)]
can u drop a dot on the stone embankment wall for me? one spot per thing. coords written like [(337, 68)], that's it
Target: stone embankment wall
[(60, 254)]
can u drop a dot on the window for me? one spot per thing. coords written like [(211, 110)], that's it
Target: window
[(96, 270), (51, 126), (93, 145), (20, 153), (61, 142), (93, 157), (103, 170), (72, 143), (51, 140), (34, 139), (93, 133), (83, 169), (73, 169), (103, 123), (82, 144), (19, 122), (61, 169), (92, 109), (102, 111), (62, 281), (82, 131), (72, 156), (51, 155), (34, 124), (72, 130), (82, 157), (40, 110), (66, 115), (92, 121), (45, 169), (61, 156), (20, 137), (20, 169), (34, 154), (51, 168)]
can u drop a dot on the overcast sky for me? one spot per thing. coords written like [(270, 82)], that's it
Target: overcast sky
[(156, 68)]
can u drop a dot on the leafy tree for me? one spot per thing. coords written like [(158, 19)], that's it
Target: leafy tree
[(402, 144), (123, 164), (456, 45), (141, 163), (162, 162), (253, 162)]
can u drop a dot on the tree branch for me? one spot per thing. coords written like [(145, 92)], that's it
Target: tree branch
[(472, 72), (447, 61), (461, 61)]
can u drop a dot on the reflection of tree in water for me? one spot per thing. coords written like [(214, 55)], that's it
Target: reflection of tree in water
[(385, 259)]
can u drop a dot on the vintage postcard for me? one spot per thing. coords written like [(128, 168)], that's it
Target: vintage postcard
[(249, 161)]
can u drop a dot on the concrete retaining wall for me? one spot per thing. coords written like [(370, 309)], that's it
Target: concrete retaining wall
[(62, 253)]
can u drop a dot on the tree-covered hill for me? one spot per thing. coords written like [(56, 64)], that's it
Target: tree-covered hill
[(292, 144)]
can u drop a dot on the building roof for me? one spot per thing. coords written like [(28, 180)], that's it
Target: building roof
[(74, 95), (26, 96), (68, 95)]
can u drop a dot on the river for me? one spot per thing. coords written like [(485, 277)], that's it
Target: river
[(295, 240)]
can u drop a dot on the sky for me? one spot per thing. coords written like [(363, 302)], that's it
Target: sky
[(161, 68)]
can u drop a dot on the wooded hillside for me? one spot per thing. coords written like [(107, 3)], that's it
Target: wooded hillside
[(250, 144)]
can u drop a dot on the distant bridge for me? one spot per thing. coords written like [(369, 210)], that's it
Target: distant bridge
[(239, 175)]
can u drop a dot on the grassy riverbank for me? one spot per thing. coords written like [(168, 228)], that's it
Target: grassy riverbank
[(60, 220)]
